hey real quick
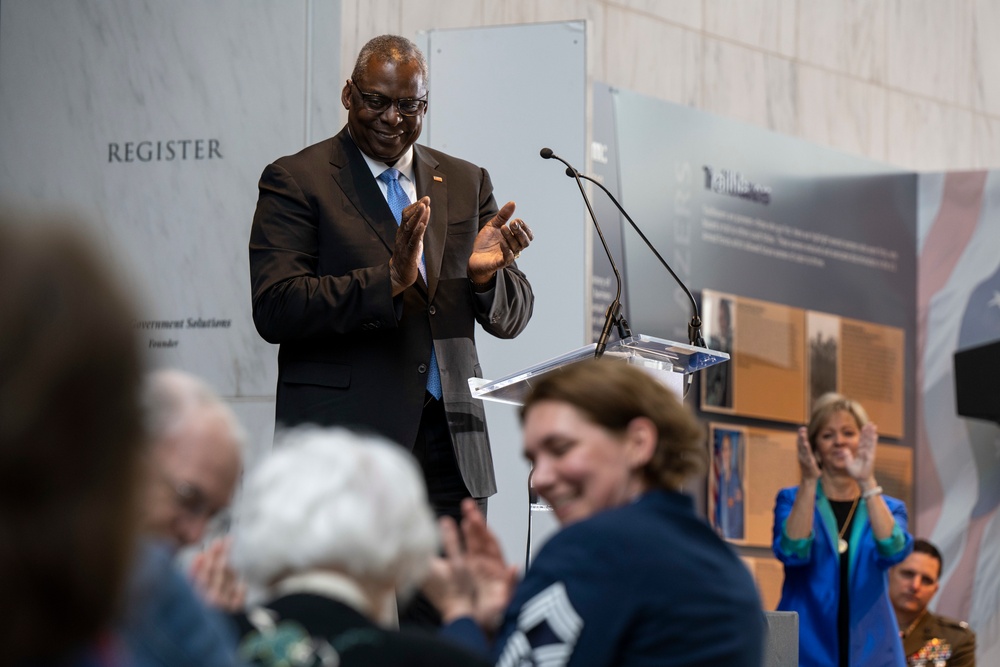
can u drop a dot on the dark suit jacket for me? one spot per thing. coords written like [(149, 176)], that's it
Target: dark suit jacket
[(350, 353), (356, 640)]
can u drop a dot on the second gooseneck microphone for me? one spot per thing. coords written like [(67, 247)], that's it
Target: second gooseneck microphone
[(613, 313), (694, 325)]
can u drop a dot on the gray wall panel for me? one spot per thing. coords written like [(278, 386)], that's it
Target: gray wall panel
[(498, 95)]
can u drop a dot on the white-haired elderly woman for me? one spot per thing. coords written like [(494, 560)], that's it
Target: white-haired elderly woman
[(333, 525)]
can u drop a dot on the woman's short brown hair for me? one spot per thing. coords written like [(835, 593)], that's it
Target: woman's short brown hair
[(611, 393)]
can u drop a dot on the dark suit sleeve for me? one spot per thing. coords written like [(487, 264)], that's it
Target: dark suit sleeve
[(292, 298), (513, 300)]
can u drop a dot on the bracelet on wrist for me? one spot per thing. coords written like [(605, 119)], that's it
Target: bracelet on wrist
[(483, 285), (872, 492)]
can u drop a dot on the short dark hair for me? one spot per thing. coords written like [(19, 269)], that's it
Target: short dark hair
[(922, 546), (611, 393), (70, 439), (392, 49)]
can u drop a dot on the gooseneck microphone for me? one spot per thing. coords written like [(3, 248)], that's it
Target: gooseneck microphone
[(613, 314), (694, 326)]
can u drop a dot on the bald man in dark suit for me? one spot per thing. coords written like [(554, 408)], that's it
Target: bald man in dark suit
[(359, 293)]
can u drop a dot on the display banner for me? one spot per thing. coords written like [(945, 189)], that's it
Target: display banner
[(957, 458), (799, 355), (803, 261), (754, 214)]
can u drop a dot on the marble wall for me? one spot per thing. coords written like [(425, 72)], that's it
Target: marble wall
[(153, 122), (915, 83)]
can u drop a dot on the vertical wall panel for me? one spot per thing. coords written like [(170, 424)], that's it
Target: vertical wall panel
[(498, 95)]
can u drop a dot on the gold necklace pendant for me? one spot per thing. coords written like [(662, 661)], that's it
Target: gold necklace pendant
[(841, 542)]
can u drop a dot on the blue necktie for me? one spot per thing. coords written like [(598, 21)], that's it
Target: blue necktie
[(397, 202)]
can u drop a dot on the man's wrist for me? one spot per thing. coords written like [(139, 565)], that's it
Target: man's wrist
[(483, 285), (396, 282)]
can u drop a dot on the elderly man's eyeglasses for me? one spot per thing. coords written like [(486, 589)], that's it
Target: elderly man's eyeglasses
[(377, 103), (192, 500), (195, 505), (189, 498)]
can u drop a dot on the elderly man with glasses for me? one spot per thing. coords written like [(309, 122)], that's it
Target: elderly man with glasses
[(371, 260), (195, 457), (193, 463)]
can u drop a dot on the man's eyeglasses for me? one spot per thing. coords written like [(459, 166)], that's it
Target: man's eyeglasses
[(189, 498), (377, 103)]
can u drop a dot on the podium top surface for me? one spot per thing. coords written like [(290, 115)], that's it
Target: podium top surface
[(663, 354)]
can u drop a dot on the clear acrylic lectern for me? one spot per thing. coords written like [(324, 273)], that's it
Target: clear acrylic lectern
[(668, 360)]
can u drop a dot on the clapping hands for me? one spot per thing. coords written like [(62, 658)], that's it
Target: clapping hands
[(498, 244), (861, 466), (471, 579), (215, 580), (807, 458)]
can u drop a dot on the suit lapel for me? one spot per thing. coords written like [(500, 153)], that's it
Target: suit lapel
[(432, 183), (351, 173)]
